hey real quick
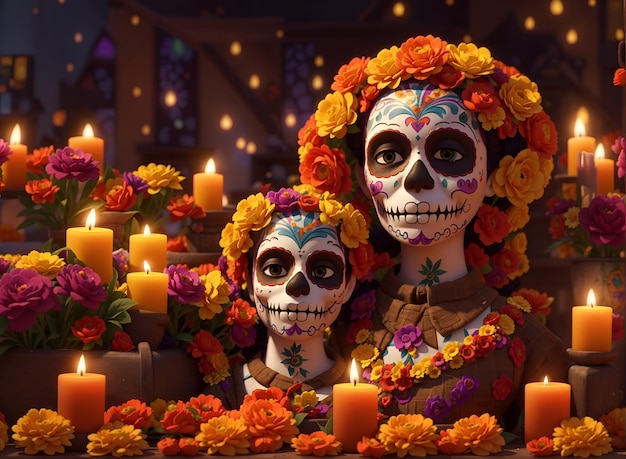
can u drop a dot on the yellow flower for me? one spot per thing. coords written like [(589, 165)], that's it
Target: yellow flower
[(430, 369), (335, 113), (411, 434), (305, 399), (216, 376), (570, 217), (546, 166), (354, 229), (253, 213), (582, 438), (519, 178), (519, 302), (451, 350), (318, 443), (470, 59), (396, 371), (493, 120), (362, 336), (518, 217), (418, 370), (365, 354), (487, 330), (159, 176), (12, 258), (383, 71), (216, 293), (332, 212), (519, 243), (522, 97), (123, 287), (224, 435), (159, 407), (507, 324), (376, 372), (306, 188), (45, 263), (234, 242), (4, 435), (480, 434), (117, 439), (44, 431), (304, 150), (456, 362), (614, 423)]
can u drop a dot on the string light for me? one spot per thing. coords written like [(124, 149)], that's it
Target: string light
[(556, 7), (529, 23), (226, 122)]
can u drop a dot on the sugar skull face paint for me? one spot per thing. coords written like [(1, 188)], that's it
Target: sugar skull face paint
[(426, 163), (299, 274)]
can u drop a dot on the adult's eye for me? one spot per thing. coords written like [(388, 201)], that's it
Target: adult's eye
[(322, 272), (274, 268), (451, 152), (448, 154), (387, 157)]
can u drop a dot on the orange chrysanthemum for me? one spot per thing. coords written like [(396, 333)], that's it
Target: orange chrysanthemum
[(411, 434), (269, 425), (542, 446), (133, 412), (208, 406), (351, 75), (41, 191), (318, 444), (480, 434), (180, 420), (614, 423), (619, 77), (370, 447), (326, 169), (422, 56)]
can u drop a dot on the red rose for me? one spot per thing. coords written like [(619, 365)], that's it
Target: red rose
[(89, 329), (501, 387), (122, 342), (517, 351)]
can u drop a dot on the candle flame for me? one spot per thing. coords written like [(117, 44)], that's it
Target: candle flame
[(591, 298), (91, 219), (354, 374), (599, 154), (81, 368), (146, 266), (146, 230), (545, 381), (210, 166), (88, 130), (16, 135), (579, 128)]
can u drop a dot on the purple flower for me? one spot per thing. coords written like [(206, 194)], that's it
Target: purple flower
[(23, 294), (561, 207), (437, 408), (465, 387), (363, 305), (408, 337), (604, 220), (4, 265), (619, 148), (242, 337), (285, 199), (68, 163), (184, 285), (502, 342), (5, 151), (120, 258), (138, 184), (82, 285)]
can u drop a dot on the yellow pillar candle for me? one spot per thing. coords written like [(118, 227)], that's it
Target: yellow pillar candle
[(88, 143), (592, 326), (93, 246), (580, 142), (148, 289), (14, 170), (147, 247), (208, 187), (605, 172)]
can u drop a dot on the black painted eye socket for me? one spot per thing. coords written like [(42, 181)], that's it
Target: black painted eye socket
[(325, 269), (387, 153), (451, 152), (274, 265)]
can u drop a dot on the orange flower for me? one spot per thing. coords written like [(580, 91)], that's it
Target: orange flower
[(481, 434), (480, 97), (619, 77), (225, 435), (241, 313), (208, 406), (308, 133), (539, 302), (133, 412), (447, 444), (318, 444), (542, 446), (188, 446), (168, 446), (184, 206), (422, 56), (88, 329), (362, 260), (36, 162), (541, 135), (177, 244), (614, 423), (269, 424), (370, 447), (178, 419), (491, 225), (411, 434), (309, 203), (448, 78), (351, 75), (326, 170), (273, 394), (41, 191), (120, 198)]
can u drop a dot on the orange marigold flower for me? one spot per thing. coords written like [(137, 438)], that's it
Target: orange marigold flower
[(41, 191), (177, 244), (448, 444), (542, 446), (370, 447), (318, 443), (37, 160), (168, 446), (184, 206), (241, 313), (411, 434), (178, 419), (362, 260), (480, 97), (120, 197), (208, 406), (368, 94), (327, 170), (351, 75), (269, 423), (480, 434), (619, 77), (614, 423), (539, 302), (540, 134), (133, 412), (308, 133), (491, 225), (273, 394), (422, 56), (204, 343), (188, 446)]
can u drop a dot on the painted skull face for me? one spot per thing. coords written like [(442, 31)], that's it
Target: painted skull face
[(425, 164), (299, 275)]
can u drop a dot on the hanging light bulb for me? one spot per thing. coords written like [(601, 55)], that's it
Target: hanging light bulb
[(529, 23), (556, 7), (571, 37)]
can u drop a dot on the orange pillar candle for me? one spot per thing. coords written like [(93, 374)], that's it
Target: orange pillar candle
[(81, 398), (89, 144), (14, 170), (605, 172), (208, 187), (93, 246), (592, 326), (580, 142), (148, 289), (147, 247), (355, 411), (546, 404)]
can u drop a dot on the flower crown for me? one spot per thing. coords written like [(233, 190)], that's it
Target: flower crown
[(521, 138), (256, 211)]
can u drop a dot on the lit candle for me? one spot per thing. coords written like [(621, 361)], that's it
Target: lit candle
[(93, 246), (605, 171), (81, 398), (148, 289), (546, 404), (14, 170), (580, 142), (355, 411), (89, 144), (208, 187), (592, 326), (149, 247)]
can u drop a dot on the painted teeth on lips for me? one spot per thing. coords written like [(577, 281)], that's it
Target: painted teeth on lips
[(419, 213)]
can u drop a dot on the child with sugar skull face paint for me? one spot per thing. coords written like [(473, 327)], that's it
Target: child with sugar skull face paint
[(300, 251), (451, 147)]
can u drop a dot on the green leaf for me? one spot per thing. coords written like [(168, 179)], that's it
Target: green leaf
[(328, 427), (299, 417)]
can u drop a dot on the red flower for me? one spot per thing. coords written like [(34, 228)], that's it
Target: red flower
[(122, 342), (168, 446), (507, 260), (540, 134), (369, 93), (177, 244), (355, 327), (501, 387), (370, 447), (120, 198), (448, 444), (542, 446), (517, 351), (491, 225), (326, 170), (514, 313), (509, 127), (539, 302), (492, 319), (309, 203), (41, 191), (133, 412), (178, 419), (188, 446), (184, 206), (241, 313), (480, 97), (619, 77), (362, 260), (468, 353), (557, 227), (475, 256), (204, 343), (308, 134), (89, 329), (448, 78)]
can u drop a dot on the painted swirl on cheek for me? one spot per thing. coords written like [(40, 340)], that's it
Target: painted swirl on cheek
[(468, 186)]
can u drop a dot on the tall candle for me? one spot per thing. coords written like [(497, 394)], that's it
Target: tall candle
[(355, 411), (150, 247), (93, 246), (208, 187), (14, 170), (81, 398), (592, 326), (89, 144), (580, 142), (546, 404), (605, 171), (148, 289)]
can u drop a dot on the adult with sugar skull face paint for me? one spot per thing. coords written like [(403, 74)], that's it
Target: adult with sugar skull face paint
[(451, 146)]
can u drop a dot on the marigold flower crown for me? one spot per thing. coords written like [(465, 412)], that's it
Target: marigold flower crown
[(521, 138)]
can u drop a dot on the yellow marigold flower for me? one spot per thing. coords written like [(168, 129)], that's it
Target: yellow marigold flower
[(432, 371), (304, 150), (117, 439), (456, 362), (45, 263), (318, 443), (335, 113), (396, 370), (493, 120), (470, 59), (582, 437), (362, 336), (487, 330), (12, 258), (518, 217), (224, 435), (353, 227), (450, 350), (411, 434), (376, 372), (332, 212), (305, 399), (519, 302), (418, 370), (216, 376), (519, 243), (234, 242), (481, 434), (365, 354), (507, 324), (570, 217), (4, 435), (614, 423), (253, 213), (44, 431), (522, 97), (159, 176), (383, 71), (519, 178), (216, 292)]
